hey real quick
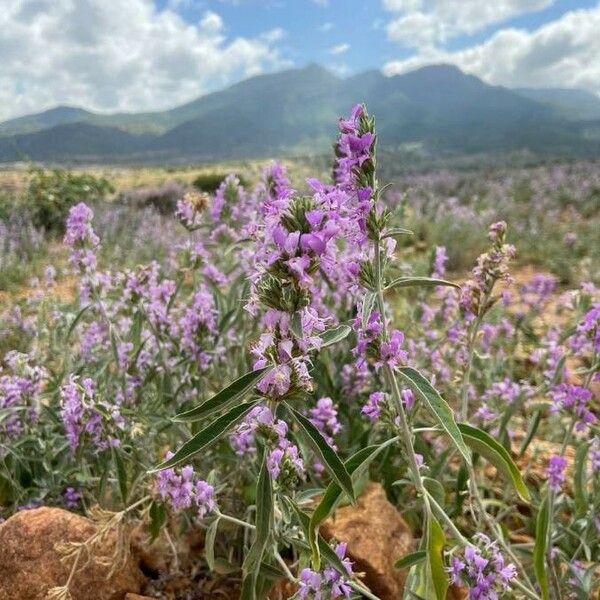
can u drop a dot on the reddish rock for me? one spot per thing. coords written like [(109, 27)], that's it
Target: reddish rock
[(377, 536), (30, 565), (138, 597)]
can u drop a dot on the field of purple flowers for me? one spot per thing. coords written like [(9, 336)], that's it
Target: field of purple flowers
[(250, 360)]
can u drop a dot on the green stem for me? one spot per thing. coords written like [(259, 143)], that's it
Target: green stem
[(234, 520), (406, 434)]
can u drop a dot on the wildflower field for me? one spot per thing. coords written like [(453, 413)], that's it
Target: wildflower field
[(237, 361)]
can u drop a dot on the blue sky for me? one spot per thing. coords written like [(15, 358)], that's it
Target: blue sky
[(313, 30), (135, 55)]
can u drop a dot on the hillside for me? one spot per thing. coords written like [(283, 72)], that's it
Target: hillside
[(437, 109)]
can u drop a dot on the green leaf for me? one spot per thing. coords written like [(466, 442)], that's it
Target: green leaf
[(264, 519), (436, 489), (207, 436), (403, 282), (335, 335), (249, 587), (394, 231), (325, 452), (271, 572), (325, 550), (355, 465), (542, 531), (296, 325), (77, 319), (227, 320), (481, 442), (531, 431), (368, 305), (438, 407), (437, 579), (209, 544), (410, 559), (158, 517), (580, 482), (234, 391), (121, 474)]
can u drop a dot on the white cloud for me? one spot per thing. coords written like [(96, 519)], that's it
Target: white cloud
[(325, 27), (340, 69), (562, 53), (321, 2), (423, 24), (118, 55), (339, 49), (275, 35)]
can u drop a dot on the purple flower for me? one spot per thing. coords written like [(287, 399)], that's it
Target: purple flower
[(556, 472), (78, 227), (372, 409), (72, 498), (439, 262), (84, 415), (276, 382), (330, 583), (391, 352), (575, 400), (483, 570), (182, 489)]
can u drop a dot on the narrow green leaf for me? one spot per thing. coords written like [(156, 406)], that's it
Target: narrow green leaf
[(410, 559), (394, 231), (234, 391), (542, 530), (209, 544), (335, 335), (403, 282), (227, 320), (271, 572), (325, 550), (437, 576), (325, 452), (438, 407), (531, 432), (248, 591), (207, 436), (296, 325), (355, 466), (121, 474), (483, 443), (77, 319), (367, 307), (580, 481), (436, 489), (264, 519), (158, 517)]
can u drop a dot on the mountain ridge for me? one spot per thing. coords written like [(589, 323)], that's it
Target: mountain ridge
[(437, 108)]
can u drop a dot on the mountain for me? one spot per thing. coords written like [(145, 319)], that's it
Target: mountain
[(438, 109), (574, 104), (49, 118)]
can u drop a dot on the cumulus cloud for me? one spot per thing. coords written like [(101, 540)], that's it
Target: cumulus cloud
[(339, 49), (429, 23), (561, 53), (118, 55)]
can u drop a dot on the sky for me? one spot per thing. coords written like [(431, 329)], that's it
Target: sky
[(138, 55)]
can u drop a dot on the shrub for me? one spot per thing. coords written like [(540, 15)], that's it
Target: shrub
[(210, 182), (163, 198), (50, 195)]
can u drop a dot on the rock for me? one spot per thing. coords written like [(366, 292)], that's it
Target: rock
[(377, 536), (30, 565), (138, 597)]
